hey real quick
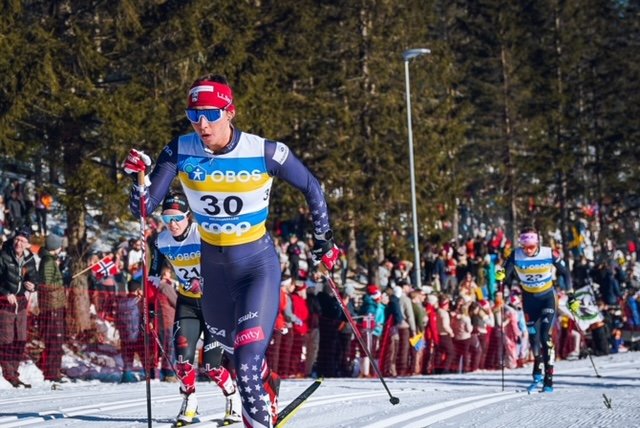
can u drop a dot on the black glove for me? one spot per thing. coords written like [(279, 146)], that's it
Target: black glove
[(325, 251)]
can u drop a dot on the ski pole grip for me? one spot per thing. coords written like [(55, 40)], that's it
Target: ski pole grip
[(141, 178)]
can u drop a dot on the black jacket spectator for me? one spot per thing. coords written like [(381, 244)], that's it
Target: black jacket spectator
[(609, 287), (16, 274), (394, 309), (13, 273), (16, 211)]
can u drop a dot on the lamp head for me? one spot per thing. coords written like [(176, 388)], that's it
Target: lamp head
[(412, 53)]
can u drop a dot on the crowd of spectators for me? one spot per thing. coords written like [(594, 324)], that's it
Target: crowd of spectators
[(457, 321)]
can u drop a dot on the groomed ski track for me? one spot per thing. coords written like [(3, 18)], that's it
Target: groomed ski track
[(467, 400)]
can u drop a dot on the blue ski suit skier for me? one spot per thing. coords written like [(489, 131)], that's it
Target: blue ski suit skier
[(532, 265), (226, 175), (179, 247)]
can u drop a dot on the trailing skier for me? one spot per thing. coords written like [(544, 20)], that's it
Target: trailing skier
[(532, 264), (179, 245)]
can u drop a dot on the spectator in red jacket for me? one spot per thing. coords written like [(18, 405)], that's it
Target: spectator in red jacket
[(300, 329), (290, 319), (431, 335), (280, 328)]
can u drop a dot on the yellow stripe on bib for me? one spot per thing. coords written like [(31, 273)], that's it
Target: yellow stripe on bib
[(535, 290), (185, 263), (229, 239), (529, 270), (186, 293)]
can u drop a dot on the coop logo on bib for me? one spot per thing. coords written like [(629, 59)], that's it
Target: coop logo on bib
[(226, 228)]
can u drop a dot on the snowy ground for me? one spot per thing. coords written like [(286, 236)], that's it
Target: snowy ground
[(470, 400)]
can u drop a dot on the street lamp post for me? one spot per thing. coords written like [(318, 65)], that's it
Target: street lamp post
[(407, 55)]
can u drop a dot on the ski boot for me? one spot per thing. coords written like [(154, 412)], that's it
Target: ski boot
[(537, 383), (548, 381), (233, 409), (272, 386), (188, 411)]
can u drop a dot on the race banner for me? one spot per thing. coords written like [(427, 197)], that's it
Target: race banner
[(588, 313)]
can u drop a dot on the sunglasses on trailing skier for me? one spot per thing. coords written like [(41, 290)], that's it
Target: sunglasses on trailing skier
[(174, 217), (530, 247), (212, 115)]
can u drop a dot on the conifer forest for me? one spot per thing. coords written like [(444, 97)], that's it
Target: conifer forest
[(526, 110)]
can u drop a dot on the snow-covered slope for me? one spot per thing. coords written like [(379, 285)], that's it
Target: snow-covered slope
[(469, 400)]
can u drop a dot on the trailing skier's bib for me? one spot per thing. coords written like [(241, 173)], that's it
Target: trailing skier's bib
[(228, 193), (534, 273), (184, 257)]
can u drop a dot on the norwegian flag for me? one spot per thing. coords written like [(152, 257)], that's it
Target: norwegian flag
[(104, 268)]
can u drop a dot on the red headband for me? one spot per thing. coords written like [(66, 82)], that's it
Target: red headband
[(211, 94)]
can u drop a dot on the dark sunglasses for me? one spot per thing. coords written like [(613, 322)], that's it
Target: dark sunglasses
[(212, 115), (175, 217)]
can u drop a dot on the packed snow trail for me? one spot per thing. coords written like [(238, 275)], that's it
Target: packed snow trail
[(465, 400)]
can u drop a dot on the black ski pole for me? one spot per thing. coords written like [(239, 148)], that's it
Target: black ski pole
[(145, 301), (345, 310), (154, 333)]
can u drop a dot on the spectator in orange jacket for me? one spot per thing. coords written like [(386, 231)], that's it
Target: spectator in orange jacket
[(42, 204)]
